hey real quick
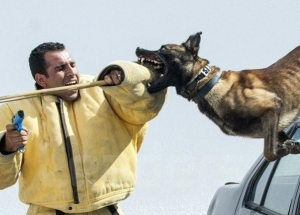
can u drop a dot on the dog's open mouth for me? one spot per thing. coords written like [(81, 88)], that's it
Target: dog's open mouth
[(151, 58)]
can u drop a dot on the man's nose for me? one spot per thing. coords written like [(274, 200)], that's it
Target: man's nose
[(71, 70)]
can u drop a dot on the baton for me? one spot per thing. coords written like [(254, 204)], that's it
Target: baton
[(43, 92)]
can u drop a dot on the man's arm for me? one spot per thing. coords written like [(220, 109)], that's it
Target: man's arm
[(13, 139), (130, 98), (10, 164), (10, 158)]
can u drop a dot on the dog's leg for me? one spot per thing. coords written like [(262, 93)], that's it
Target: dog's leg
[(270, 126), (273, 148)]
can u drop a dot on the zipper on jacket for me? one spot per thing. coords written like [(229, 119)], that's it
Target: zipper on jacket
[(68, 151)]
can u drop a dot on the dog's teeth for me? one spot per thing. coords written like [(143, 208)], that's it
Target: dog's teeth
[(141, 60), (153, 61)]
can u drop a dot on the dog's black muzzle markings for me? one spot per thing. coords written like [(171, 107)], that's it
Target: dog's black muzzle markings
[(159, 63)]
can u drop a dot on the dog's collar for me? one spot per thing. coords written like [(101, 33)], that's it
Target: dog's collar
[(202, 73), (205, 89)]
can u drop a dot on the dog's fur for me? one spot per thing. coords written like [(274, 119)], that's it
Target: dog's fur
[(256, 103)]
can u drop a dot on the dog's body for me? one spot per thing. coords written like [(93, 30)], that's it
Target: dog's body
[(257, 103)]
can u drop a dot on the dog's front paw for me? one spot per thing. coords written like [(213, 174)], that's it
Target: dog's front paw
[(293, 146)]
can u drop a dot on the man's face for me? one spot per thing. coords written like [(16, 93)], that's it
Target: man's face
[(62, 71)]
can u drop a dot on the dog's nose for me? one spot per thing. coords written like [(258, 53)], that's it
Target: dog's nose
[(138, 49)]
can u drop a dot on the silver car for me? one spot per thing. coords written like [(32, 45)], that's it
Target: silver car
[(271, 188)]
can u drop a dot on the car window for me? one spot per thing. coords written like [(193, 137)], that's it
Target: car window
[(273, 189), (296, 135), (259, 187), (283, 184)]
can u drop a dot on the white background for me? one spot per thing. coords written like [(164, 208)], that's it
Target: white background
[(185, 157)]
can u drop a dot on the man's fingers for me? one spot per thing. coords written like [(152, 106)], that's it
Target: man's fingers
[(108, 80), (114, 77), (11, 127)]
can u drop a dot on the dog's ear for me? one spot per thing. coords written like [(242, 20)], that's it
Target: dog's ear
[(193, 43)]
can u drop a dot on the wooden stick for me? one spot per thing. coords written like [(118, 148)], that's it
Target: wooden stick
[(43, 92)]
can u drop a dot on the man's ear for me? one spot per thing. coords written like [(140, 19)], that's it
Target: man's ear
[(40, 79)]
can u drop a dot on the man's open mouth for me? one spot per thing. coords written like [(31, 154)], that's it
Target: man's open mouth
[(73, 82)]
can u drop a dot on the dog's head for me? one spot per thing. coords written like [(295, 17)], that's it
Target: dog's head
[(174, 63)]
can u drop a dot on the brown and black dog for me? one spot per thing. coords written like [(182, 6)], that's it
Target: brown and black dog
[(257, 103)]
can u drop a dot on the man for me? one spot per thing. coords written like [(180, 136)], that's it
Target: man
[(80, 145)]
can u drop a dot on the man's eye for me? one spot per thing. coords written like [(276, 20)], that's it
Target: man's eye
[(60, 68)]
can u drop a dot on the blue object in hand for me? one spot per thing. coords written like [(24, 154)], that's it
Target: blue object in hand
[(17, 120)]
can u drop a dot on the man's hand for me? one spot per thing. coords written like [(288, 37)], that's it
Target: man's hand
[(115, 77), (14, 139)]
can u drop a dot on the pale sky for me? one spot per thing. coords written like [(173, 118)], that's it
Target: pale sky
[(185, 157)]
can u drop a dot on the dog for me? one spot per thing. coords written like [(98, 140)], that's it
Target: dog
[(256, 103)]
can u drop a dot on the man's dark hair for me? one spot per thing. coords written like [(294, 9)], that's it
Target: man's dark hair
[(37, 62)]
